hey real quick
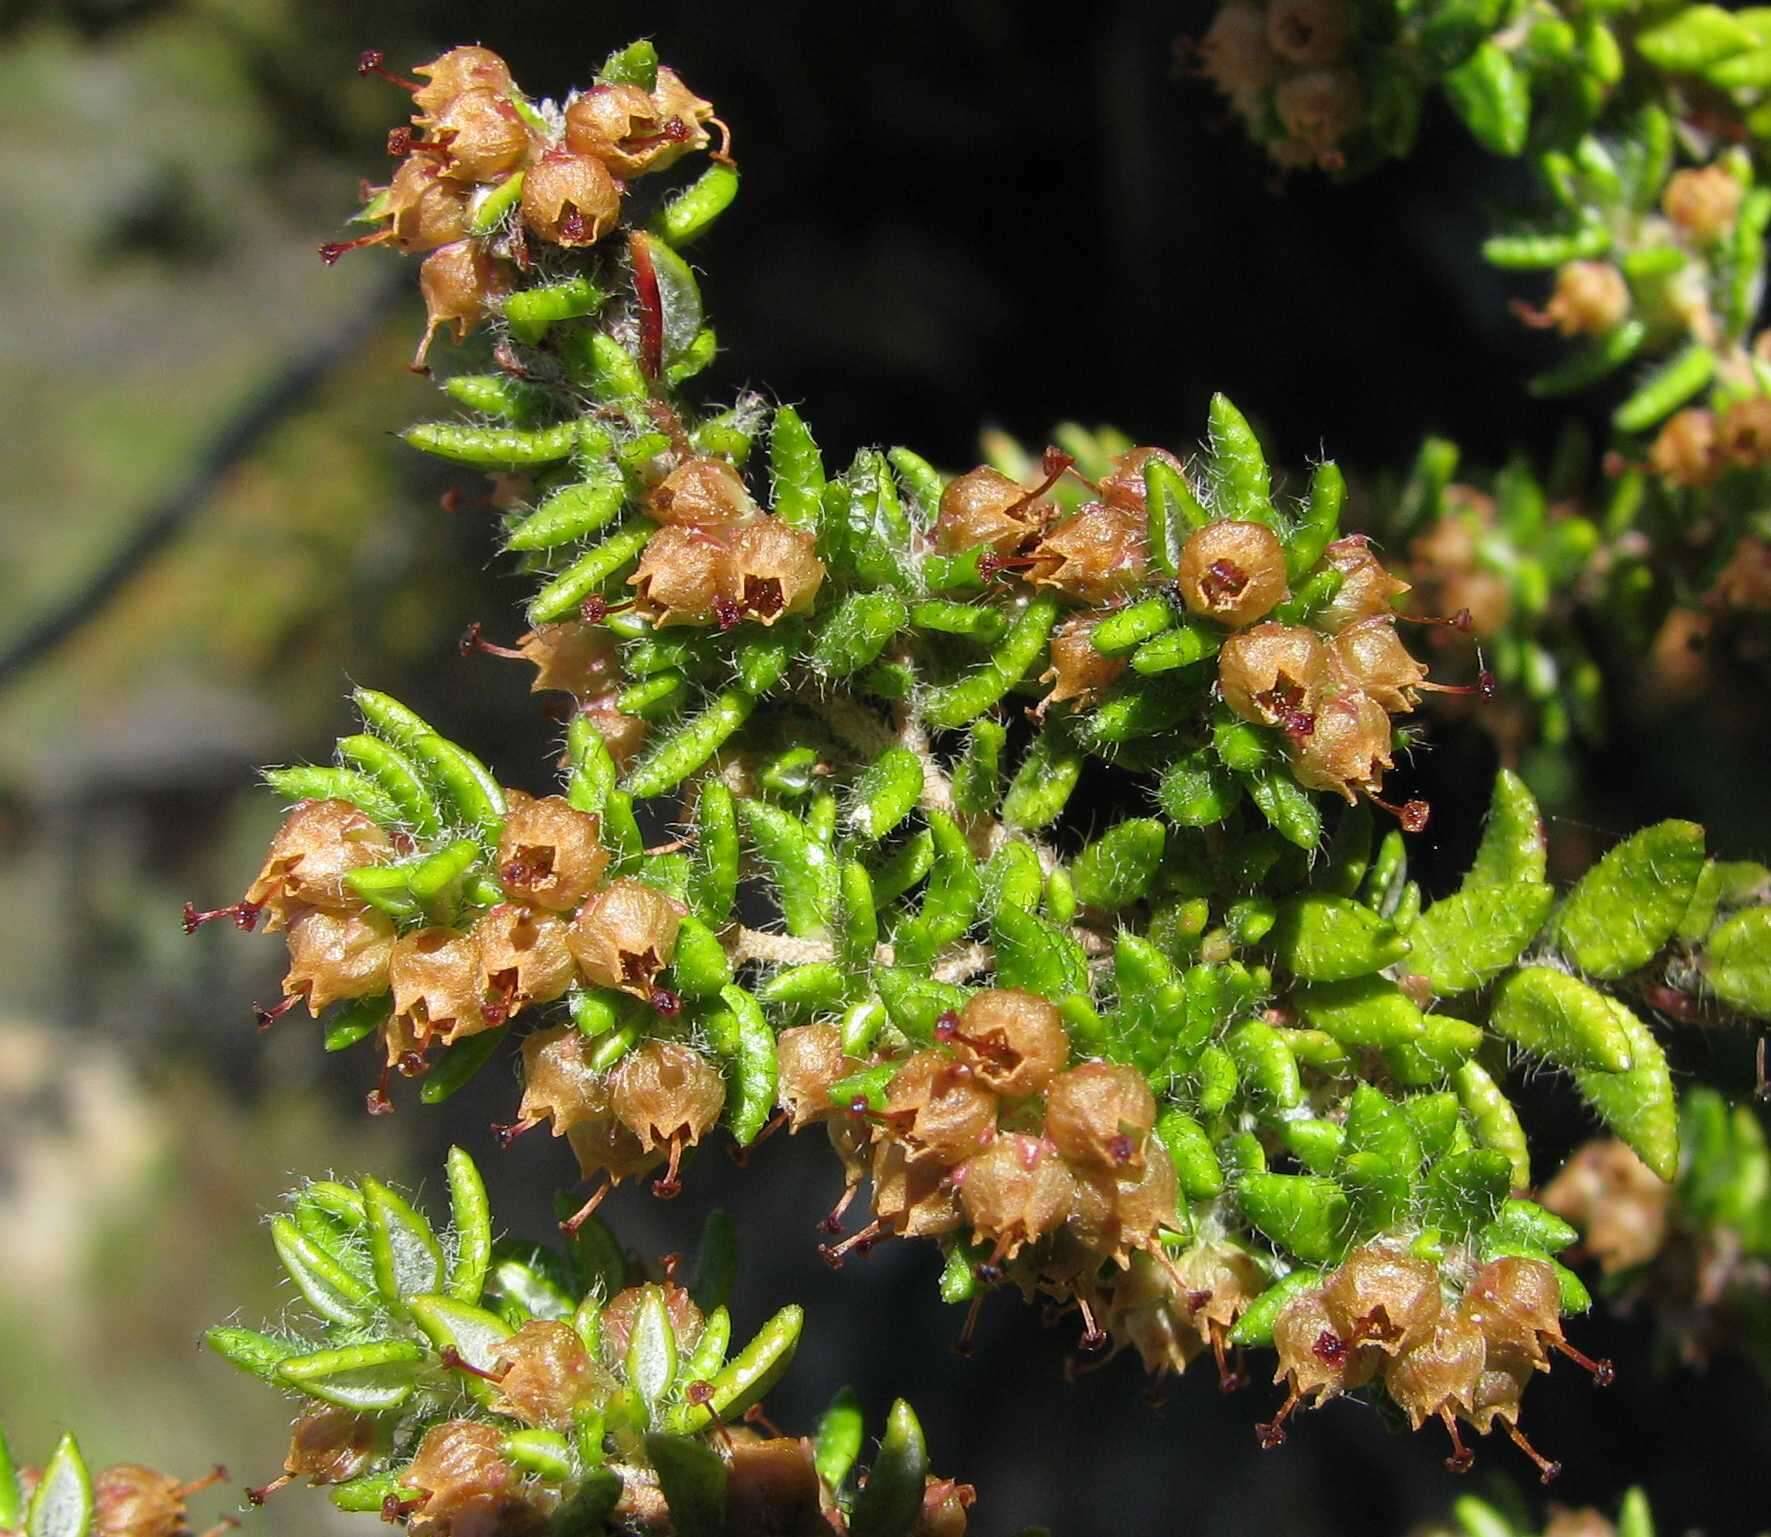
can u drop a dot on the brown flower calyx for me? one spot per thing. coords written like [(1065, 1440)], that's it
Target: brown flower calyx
[(1348, 748), (338, 955), (624, 935), (1383, 1296), (549, 853), (130, 1500), (1014, 1192), (1619, 1204), (1270, 675), (1687, 450), (460, 284), (681, 575), (635, 132), (543, 1373), (317, 845), (1232, 572), (1370, 657), (1320, 108), (1590, 299), (773, 1486), (772, 570), (570, 200), (1316, 1362), (571, 657), (464, 1483), (1014, 1041), (1704, 202), (327, 1446), (623, 1311), (424, 211), (984, 508), (523, 956), (1367, 587), (701, 492), (1235, 56), (434, 975), (1310, 33), (1517, 1304), (1099, 1116), (1099, 553), (810, 1059), (666, 1094), (451, 74), (938, 1109), (481, 135), (1078, 670), (1436, 1378)]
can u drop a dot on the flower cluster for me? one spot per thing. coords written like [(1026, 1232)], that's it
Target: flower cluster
[(63, 1499)]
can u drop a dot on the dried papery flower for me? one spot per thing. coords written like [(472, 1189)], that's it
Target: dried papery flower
[(1484, 596), (1309, 32), (467, 1485), (1590, 299), (459, 283), (1517, 1304), (1099, 1116), (1269, 673), (1146, 1312), (1745, 432), (132, 1501), (425, 210), (574, 658), (624, 935), (460, 69), (1437, 1376), (1383, 1296), (944, 1507), (1367, 586), (558, 1081), (1370, 656), (674, 103), (1745, 582), (772, 570), (623, 1311), (570, 200), (1218, 1280), (482, 136), (1703, 202), (338, 955), (1232, 572), (1014, 1041), (1140, 1204), (331, 1446), (682, 575), (913, 1198), (602, 1145), (1235, 55), (773, 1488), (549, 853), (810, 1058), (434, 974), (624, 735), (1097, 554), (1505, 1376), (937, 1108), (523, 956), (667, 1093), (984, 507), (702, 491), (1347, 749), (1320, 107), (543, 1373), (1123, 485), (1687, 449), (1616, 1200), (317, 845), (1078, 670), (1015, 1191), (619, 125), (1315, 1361)]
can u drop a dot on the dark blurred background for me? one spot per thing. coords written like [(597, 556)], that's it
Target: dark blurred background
[(953, 216)]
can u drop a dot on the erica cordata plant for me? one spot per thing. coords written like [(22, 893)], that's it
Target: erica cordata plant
[(1216, 1074)]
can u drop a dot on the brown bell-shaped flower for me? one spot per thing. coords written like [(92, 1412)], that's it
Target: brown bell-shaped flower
[(1370, 656), (1123, 485), (810, 1058), (1437, 1376), (664, 1091), (338, 955), (937, 1108), (460, 69), (1703, 202), (424, 210), (1232, 572), (549, 854), (1484, 596), (1590, 299), (1347, 749), (482, 136), (571, 657), (1099, 553), (675, 104), (1383, 1296), (459, 284), (681, 575), (1014, 1041), (435, 977), (1136, 1203), (1745, 432), (944, 1506), (773, 1487), (1618, 1203), (1218, 1280), (332, 1446), (461, 1473), (702, 492), (913, 1198), (624, 935), (558, 1081), (772, 569), (570, 200), (1269, 673), (1505, 1376), (1234, 53), (544, 1372), (1686, 450), (1320, 107), (1099, 1116), (1015, 1191), (1146, 1312), (317, 845), (984, 507), (523, 956), (132, 1501), (1517, 1304), (619, 125), (624, 735), (1078, 670), (1309, 32), (1315, 1362), (1367, 586), (602, 1145)]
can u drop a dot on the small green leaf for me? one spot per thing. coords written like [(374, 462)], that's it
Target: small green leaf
[(1322, 938), (1638, 1104), (403, 1246), (1037, 955), (1117, 868), (11, 1494), (837, 1441), (61, 1505), (1308, 1214), (1514, 848), (692, 1476), (1493, 97), (1694, 38), (1736, 961), (1466, 941), (472, 1216), (1464, 1190), (371, 1378), (652, 1349), (1628, 905), (331, 1290), (1560, 1017), (891, 1500), (471, 1331), (1365, 1011)]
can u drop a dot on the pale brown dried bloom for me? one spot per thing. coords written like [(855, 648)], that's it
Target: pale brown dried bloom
[(913, 1198), (1146, 1312), (523, 956), (1099, 1116), (1309, 32), (1013, 1040), (624, 935), (1745, 582), (1484, 595), (1097, 554), (624, 735), (1582, 1522), (665, 1092), (424, 210), (772, 569), (1314, 1358), (1118, 1212), (810, 1059), (1383, 1296), (458, 70), (1348, 748), (1235, 54), (936, 1107), (338, 955), (1320, 107), (1015, 1191), (702, 492), (984, 507), (618, 124), (681, 575), (570, 200), (1371, 658), (459, 284), (575, 658), (1591, 298), (318, 843), (773, 1489), (1616, 1200), (1367, 586), (1745, 432), (545, 1372), (1439, 1373), (944, 1506), (1686, 450), (558, 1082), (1123, 485), (1219, 1281), (132, 1501), (1703, 202), (673, 101), (1517, 1304), (602, 1145), (331, 1446), (549, 854), (483, 136), (1078, 670), (1505, 1376), (1232, 572), (434, 974), (1269, 672)]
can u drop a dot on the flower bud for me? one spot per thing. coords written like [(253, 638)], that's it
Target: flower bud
[(483, 136), (1123, 485), (338, 955), (984, 507), (1308, 32), (1015, 1191), (1099, 1116), (570, 200), (548, 853), (460, 69), (701, 491), (1384, 1296), (1439, 1372), (938, 1109), (1232, 572), (1348, 748), (1367, 587), (1269, 673), (1097, 554), (1685, 450), (435, 977), (523, 956), (1235, 54), (1013, 1040), (772, 569), (1702, 202), (1371, 658), (663, 1091), (544, 1373), (681, 575), (810, 1059), (624, 935), (1320, 107), (426, 211), (305, 866), (574, 658), (1078, 670)]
